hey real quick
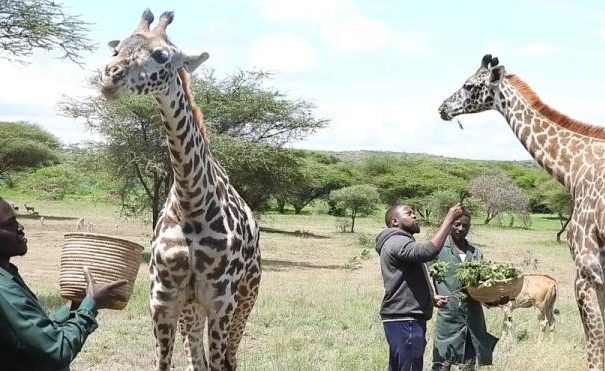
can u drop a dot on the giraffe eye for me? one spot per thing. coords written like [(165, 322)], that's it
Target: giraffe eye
[(160, 56)]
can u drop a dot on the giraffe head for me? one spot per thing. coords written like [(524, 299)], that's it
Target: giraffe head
[(478, 92), (146, 62)]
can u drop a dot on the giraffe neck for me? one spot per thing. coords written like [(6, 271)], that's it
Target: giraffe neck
[(554, 147), (187, 144)]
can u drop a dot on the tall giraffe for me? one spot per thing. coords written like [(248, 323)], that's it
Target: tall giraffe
[(205, 260), (573, 153)]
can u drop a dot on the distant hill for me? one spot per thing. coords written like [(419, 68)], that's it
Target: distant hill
[(358, 156)]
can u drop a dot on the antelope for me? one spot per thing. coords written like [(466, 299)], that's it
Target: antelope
[(29, 209), (539, 291)]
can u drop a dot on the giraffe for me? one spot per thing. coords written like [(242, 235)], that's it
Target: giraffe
[(205, 258), (573, 153)]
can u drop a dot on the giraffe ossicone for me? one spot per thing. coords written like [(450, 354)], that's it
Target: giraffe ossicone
[(571, 151), (205, 261)]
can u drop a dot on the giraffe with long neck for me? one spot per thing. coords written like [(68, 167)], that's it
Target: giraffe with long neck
[(573, 153), (205, 260)]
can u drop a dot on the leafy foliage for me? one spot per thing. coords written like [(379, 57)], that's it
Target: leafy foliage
[(439, 270), (51, 183), (358, 199), (241, 106), (497, 193), (256, 170), (243, 117), (318, 176), (484, 273), (26, 25), (24, 145)]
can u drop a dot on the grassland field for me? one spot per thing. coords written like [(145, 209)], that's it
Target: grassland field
[(319, 296)]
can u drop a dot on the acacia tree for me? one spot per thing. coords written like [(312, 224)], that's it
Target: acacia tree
[(317, 176), (24, 145), (558, 200), (497, 193), (137, 146), (241, 106), (358, 199), (26, 25)]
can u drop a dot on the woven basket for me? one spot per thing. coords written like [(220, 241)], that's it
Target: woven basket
[(500, 293), (108, 258)]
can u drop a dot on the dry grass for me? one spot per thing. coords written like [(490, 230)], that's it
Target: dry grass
[(312, 313)]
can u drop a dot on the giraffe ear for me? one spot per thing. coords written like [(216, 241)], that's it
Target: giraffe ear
[(190, 63), (496, 75), (113, 44)]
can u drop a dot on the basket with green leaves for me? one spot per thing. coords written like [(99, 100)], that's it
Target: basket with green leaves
[(489, 282)]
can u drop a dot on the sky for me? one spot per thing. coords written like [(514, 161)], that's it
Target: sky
[(378, 70)]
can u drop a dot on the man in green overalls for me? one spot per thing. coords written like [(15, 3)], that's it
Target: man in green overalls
[(460, 336), (30, 339)]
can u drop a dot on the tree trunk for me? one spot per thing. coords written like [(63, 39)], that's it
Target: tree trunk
[(297, 209), (563, 226), (353, 221), (281, 205)]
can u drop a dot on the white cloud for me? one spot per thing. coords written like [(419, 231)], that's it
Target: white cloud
[(31, 93), (305, 10), (357, 32), (417, 43), (284, 52), (534, 50), (40, 83)]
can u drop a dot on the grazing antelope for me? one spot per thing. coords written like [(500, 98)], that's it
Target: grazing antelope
[(539, 291), (80, 224), (29, 209), (15, 207)]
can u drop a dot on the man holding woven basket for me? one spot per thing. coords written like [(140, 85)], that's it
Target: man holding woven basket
[(30, 340), (460, 336)]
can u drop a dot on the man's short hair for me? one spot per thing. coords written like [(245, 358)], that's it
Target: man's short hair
[(388, 216), (467, 212)]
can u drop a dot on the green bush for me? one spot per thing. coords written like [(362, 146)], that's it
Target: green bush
[(51, 183)]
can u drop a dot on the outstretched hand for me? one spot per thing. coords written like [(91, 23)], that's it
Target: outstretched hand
[(440, 301), (103, 293)]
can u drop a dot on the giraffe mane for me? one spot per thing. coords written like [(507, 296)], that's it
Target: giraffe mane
[(198, 118), (552, 114)]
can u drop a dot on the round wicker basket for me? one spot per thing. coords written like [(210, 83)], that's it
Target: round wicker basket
[(108, 258), (500, 293)]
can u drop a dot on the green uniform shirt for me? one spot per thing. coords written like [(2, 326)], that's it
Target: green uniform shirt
[(29, 339), (462, 319)]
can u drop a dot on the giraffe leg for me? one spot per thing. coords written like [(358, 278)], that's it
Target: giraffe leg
[(191, 326), (584, 245), (164, 308), (247, 293), (219, 323), (592, 320)]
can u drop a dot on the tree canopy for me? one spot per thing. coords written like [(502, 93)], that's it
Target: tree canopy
[(26, 25), (24, 145), (240, 105), (498, 193), (243, 140), (359, 200)]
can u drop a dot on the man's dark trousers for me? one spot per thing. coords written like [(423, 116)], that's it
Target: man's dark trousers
[(407, 340)]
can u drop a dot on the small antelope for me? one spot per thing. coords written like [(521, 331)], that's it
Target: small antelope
[(80, 224), (539, 291), (29, 209)]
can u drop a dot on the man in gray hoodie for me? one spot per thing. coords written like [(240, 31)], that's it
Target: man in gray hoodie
[(409, 298)]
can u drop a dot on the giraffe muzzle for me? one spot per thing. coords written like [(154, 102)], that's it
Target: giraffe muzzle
[(444, 112)]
